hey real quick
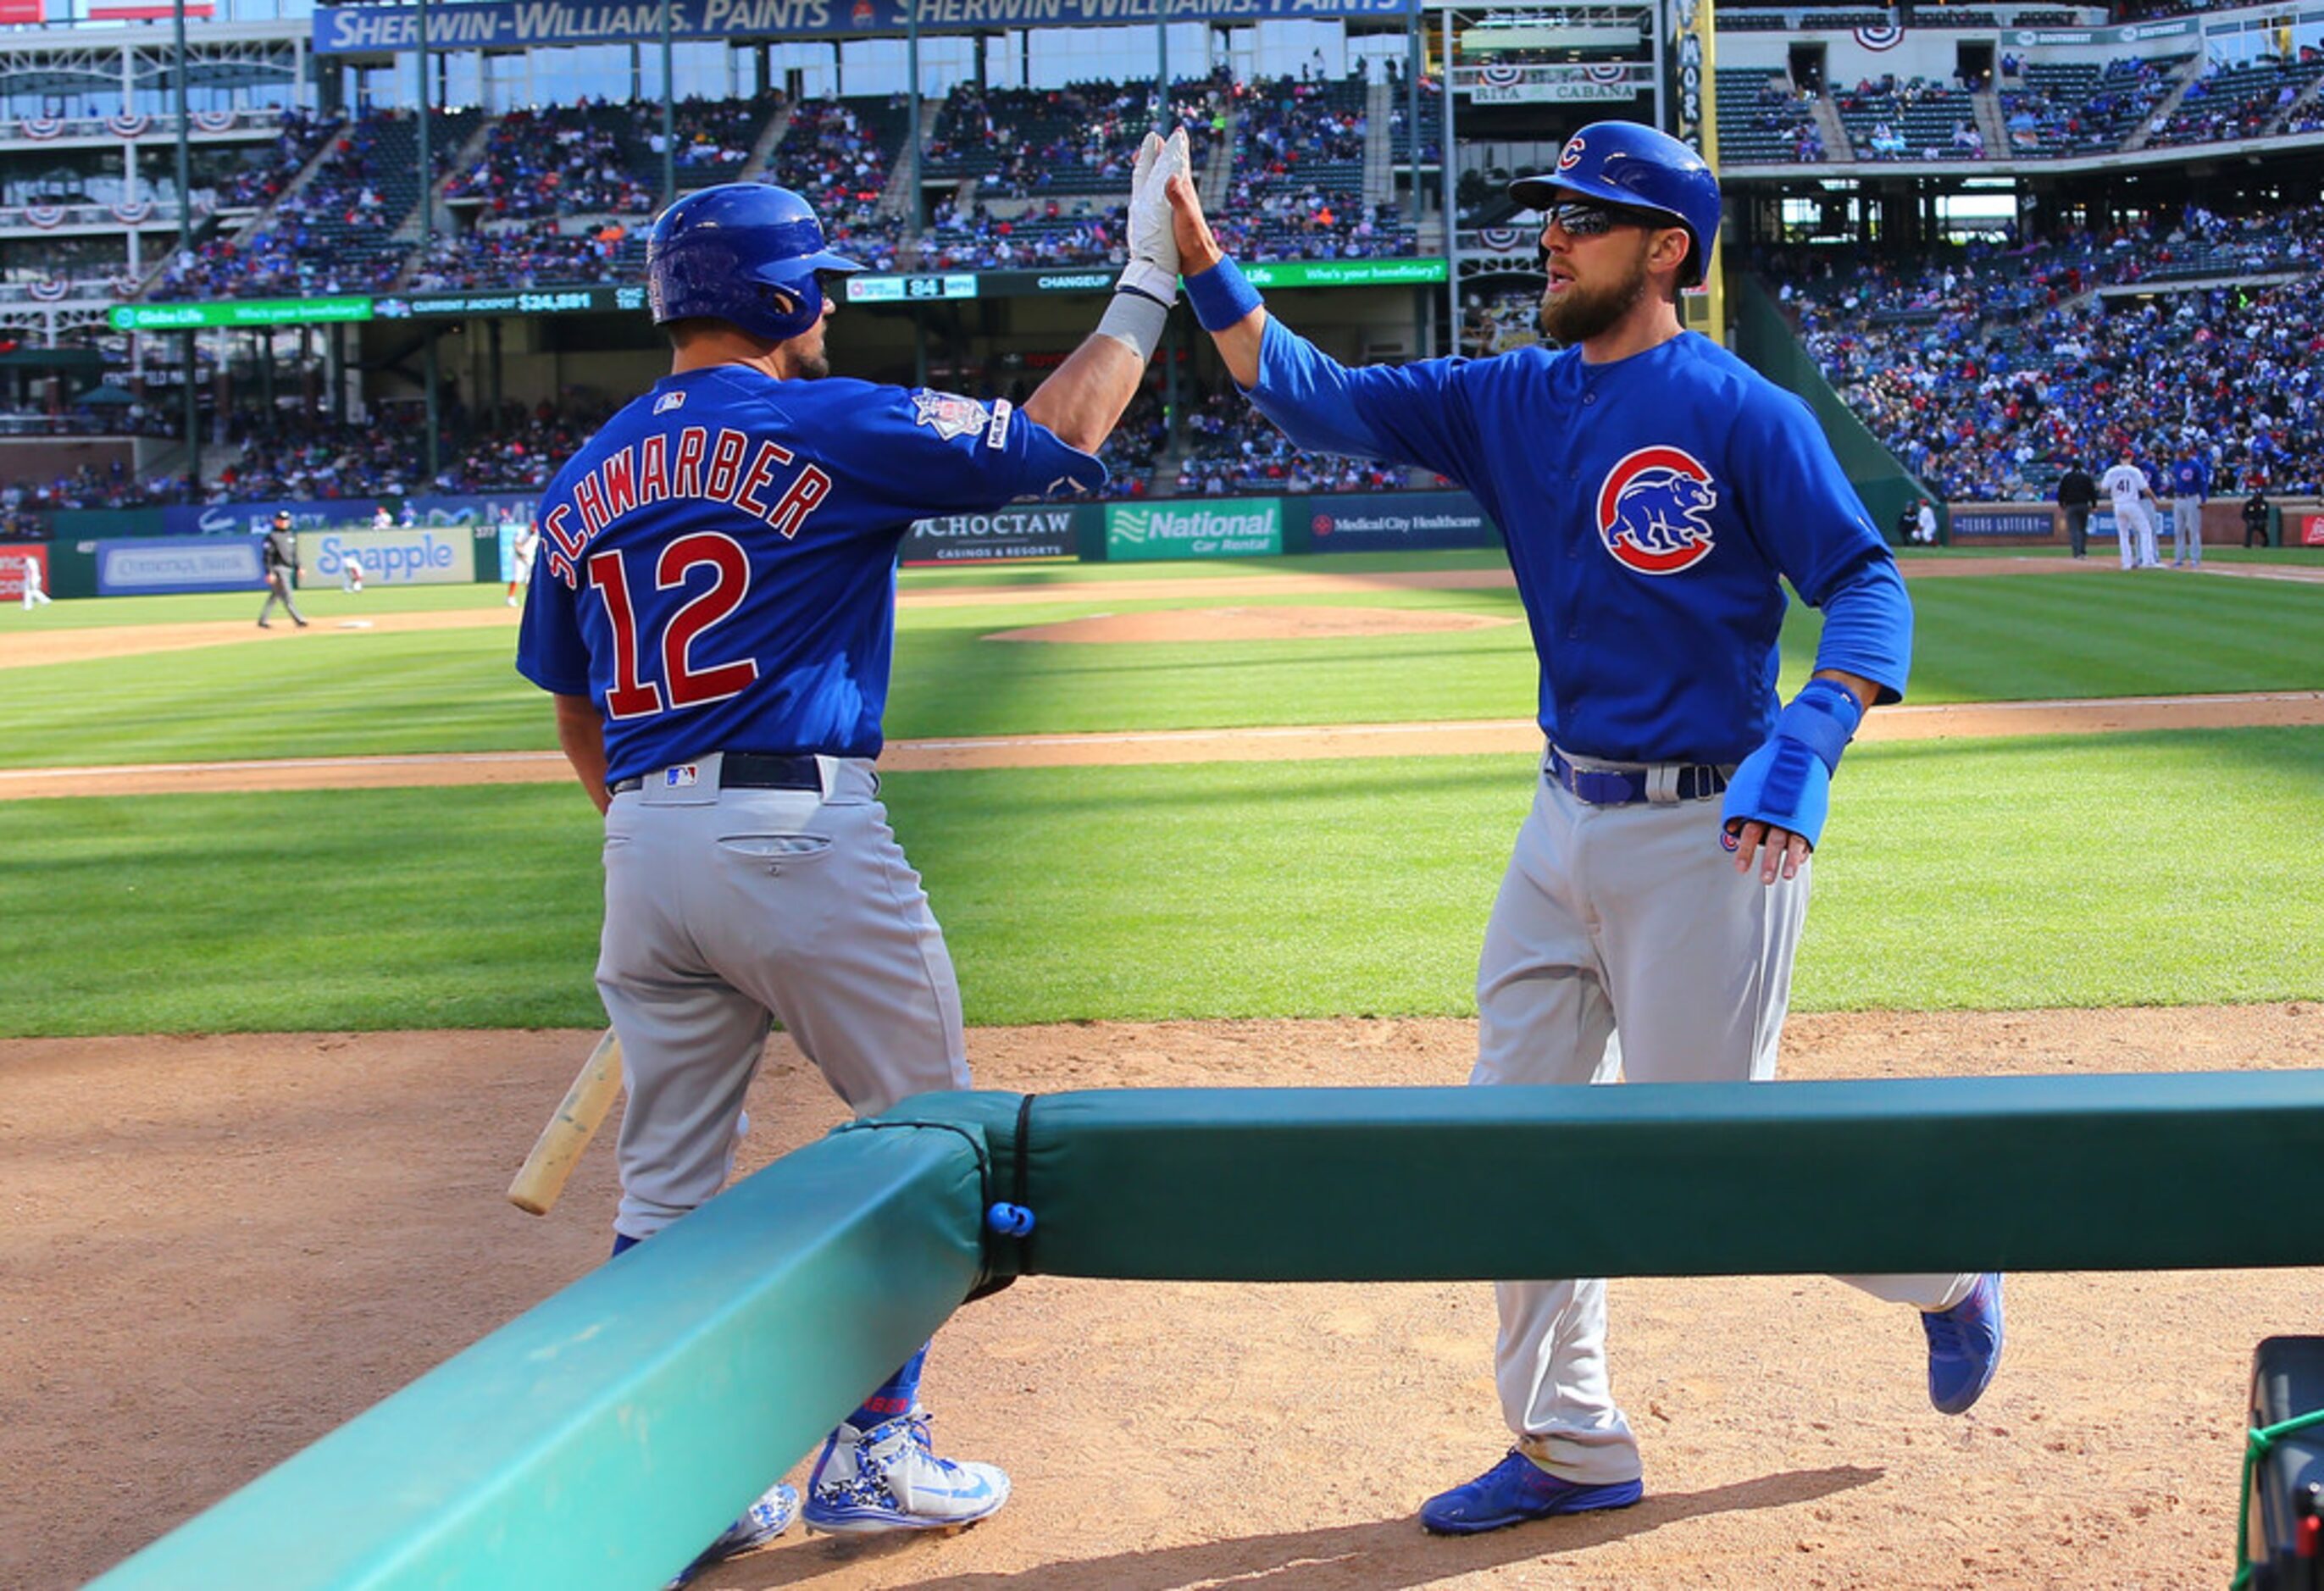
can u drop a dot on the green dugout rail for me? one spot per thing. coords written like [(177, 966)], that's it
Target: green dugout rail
[(600, 1439)]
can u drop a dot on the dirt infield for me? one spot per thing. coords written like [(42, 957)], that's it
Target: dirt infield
[(219, 1247)]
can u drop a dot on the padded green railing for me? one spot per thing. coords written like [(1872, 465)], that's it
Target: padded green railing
[(600, 1441), (601, 1438)]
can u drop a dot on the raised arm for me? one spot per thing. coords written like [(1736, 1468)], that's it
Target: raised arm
[(1083, 400), (1198, 255)]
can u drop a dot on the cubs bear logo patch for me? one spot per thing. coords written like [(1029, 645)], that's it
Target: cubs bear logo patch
[(1654, 511), (948, 414)]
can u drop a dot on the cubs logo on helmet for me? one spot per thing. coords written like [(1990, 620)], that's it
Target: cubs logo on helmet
[(1654, 511), (1570, 155)]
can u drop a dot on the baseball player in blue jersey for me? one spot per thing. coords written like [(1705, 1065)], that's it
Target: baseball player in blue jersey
[(715, 623), (1650, 489), (2191, 488)]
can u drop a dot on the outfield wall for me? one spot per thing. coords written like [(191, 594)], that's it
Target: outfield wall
[(465, 539)]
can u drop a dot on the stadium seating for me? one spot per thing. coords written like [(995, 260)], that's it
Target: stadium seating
[(2237, 102), (1763, 120), (1234, 450), (1988, 371), (1914, 120)]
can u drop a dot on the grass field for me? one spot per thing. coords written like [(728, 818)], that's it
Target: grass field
[(2164, 868), (337, 692)]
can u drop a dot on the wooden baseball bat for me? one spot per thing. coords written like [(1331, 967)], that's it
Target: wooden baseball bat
[(541, 1178)]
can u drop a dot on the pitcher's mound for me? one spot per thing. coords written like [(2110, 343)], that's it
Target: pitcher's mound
[(1247, 624)]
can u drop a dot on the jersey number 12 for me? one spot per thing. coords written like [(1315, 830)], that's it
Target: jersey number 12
[(634, 696)]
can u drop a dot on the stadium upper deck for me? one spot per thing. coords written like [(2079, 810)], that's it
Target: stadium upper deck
[(1319, 142)]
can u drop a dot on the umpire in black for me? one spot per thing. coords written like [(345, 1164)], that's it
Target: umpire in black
[(2077, 494), (282, 552), (2258, 513)]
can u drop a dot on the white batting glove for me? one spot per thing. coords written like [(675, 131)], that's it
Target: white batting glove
[(1153, 267)]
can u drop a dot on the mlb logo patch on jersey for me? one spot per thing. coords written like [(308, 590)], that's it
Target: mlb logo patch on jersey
[(948, 414), (683, 775), (669, 402), (1654, 511)]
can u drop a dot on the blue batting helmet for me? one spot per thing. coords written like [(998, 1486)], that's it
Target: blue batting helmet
[(1638, 168), (746, 253)]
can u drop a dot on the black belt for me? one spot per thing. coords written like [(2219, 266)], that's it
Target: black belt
[(1603, 786), (743, 771)]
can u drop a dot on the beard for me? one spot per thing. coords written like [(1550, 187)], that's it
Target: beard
[(1575, 314), (804, 364)]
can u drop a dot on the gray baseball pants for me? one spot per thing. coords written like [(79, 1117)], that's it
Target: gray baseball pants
[(1623, 943), (2187, 531), (726, 910), (278, 590)]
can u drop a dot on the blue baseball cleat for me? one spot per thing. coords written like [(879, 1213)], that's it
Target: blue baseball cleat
[(888, 1478), (1514, 1490), (1964, 1346), (760, 1523)]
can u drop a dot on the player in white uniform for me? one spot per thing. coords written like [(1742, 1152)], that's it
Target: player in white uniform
[(350, 573), (520, 555), (2128, 489), (34, 597)]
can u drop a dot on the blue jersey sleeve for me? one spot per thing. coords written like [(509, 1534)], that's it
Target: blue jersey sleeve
[(1408, 414), (1801, 504), (926, 452), (549, 650)]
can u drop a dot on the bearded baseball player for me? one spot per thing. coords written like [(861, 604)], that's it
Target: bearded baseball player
[(715, 624), (1650, 489)]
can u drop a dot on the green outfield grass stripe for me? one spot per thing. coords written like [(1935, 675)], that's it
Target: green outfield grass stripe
[(2163, 868)]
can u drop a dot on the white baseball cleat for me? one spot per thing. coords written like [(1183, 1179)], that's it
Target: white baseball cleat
[(888, 1478)]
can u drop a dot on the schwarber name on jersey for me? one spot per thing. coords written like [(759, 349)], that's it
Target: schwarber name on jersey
[(1648, 504), (721, 557)]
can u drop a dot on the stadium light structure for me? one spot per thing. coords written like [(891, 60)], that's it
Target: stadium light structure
[(668, 113), (193, 404), (427, 236)]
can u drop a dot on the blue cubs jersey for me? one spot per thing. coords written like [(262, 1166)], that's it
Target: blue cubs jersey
[(2191, 477), (1648, 505), (717, 566)]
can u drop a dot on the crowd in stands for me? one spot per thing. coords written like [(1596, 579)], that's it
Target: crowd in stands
[(1138, 440), (1989, 373), (1233, 448), (558, 161), (1029, 142), (831, 151), (513, 449), (2233, 103), (1048, 233), (88, 487), (263, 179), (1780, 125), (530, 255)]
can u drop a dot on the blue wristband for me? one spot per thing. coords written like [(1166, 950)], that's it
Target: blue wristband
[(1220, 296), (1824, 717)]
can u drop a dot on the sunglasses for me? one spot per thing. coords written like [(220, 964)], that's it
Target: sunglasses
[(1585, 219)]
